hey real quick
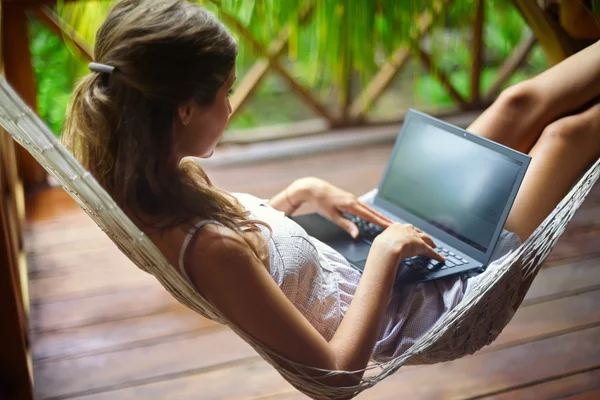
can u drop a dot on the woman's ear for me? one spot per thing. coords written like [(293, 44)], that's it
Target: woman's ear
[(185, 112)]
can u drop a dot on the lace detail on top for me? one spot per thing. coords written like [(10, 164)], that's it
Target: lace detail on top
[(187, 241)]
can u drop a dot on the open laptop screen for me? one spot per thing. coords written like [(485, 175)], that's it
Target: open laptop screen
[(454, 184)]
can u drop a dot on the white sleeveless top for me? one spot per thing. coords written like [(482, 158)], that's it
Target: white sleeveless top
[(321, 284)]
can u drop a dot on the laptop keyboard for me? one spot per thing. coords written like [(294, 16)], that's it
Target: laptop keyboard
[(367, 229), (426, 264), (422, 264)]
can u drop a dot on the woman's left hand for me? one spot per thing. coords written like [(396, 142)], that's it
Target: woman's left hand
[(332, 202)]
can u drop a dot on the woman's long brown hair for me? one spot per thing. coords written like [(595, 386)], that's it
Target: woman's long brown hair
[(119, 125)]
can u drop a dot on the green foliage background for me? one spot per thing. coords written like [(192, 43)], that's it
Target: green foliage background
[(311, 55)]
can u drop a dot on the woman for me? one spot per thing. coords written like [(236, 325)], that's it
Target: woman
[(160, 95)]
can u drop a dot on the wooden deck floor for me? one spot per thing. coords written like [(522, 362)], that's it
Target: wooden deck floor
[(104, 330)]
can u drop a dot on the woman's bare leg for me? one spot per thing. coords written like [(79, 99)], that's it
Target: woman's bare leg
[(520, 114), (564, 151), (535, 117)]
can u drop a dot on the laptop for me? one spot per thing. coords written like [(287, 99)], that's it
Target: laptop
[(455, 186)]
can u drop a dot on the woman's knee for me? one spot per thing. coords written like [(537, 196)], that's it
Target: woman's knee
[(582, 129), (519, 100)]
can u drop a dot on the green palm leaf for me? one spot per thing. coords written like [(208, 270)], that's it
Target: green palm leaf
[(596, 9), (340, 37)]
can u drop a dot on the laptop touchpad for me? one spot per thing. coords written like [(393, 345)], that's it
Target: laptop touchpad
[(353, 250)]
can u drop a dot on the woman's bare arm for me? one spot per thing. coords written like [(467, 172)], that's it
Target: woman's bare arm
[(228, 274), (292, 197), (329, 200)]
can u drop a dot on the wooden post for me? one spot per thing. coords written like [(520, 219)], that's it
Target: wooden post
[(476, 47), (255, 75), (15, 361), (554, 41), (53, 22), (19, 73), (15, 375), (510, 66), (442, 78), (390, 69), (301, 91)]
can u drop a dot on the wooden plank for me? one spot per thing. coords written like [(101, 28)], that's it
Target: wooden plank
[(102, 308), (551, 283), (554, 41), (549, 319), (128, 303), (563, 280), (51, 205), (302, 92), (388, 71), (90, 283), (278, 133), (578, 245), (530, 323), (45, 240), (593, 198), (13, 182), (138, 364), (240, 382), (51, 20), (70, 238), (513, 62), (487, 373), (472, 376), (84, 277), (15, 376), (380, 82), (70, 261), (248, 84), (10, 226), (441, 77), (572, 385), (254, 76), (113, 272), (119, 335), (86, 234), (592, 395), (585, 219)]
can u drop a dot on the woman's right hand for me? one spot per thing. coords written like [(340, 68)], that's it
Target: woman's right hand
[(404, 241)]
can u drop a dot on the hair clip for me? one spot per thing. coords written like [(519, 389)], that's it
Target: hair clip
[(101, 68)]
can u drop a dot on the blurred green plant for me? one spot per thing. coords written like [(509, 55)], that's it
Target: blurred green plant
[(55, 71), (503, 31), (596, 9), (341, 34)]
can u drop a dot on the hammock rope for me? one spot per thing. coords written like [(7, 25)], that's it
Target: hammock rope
[(475, 322)]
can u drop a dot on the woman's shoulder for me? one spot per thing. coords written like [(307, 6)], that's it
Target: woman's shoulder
[(217, 247), (217, 241)]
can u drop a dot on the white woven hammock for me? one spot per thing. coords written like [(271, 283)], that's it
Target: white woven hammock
[(475, 322)]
